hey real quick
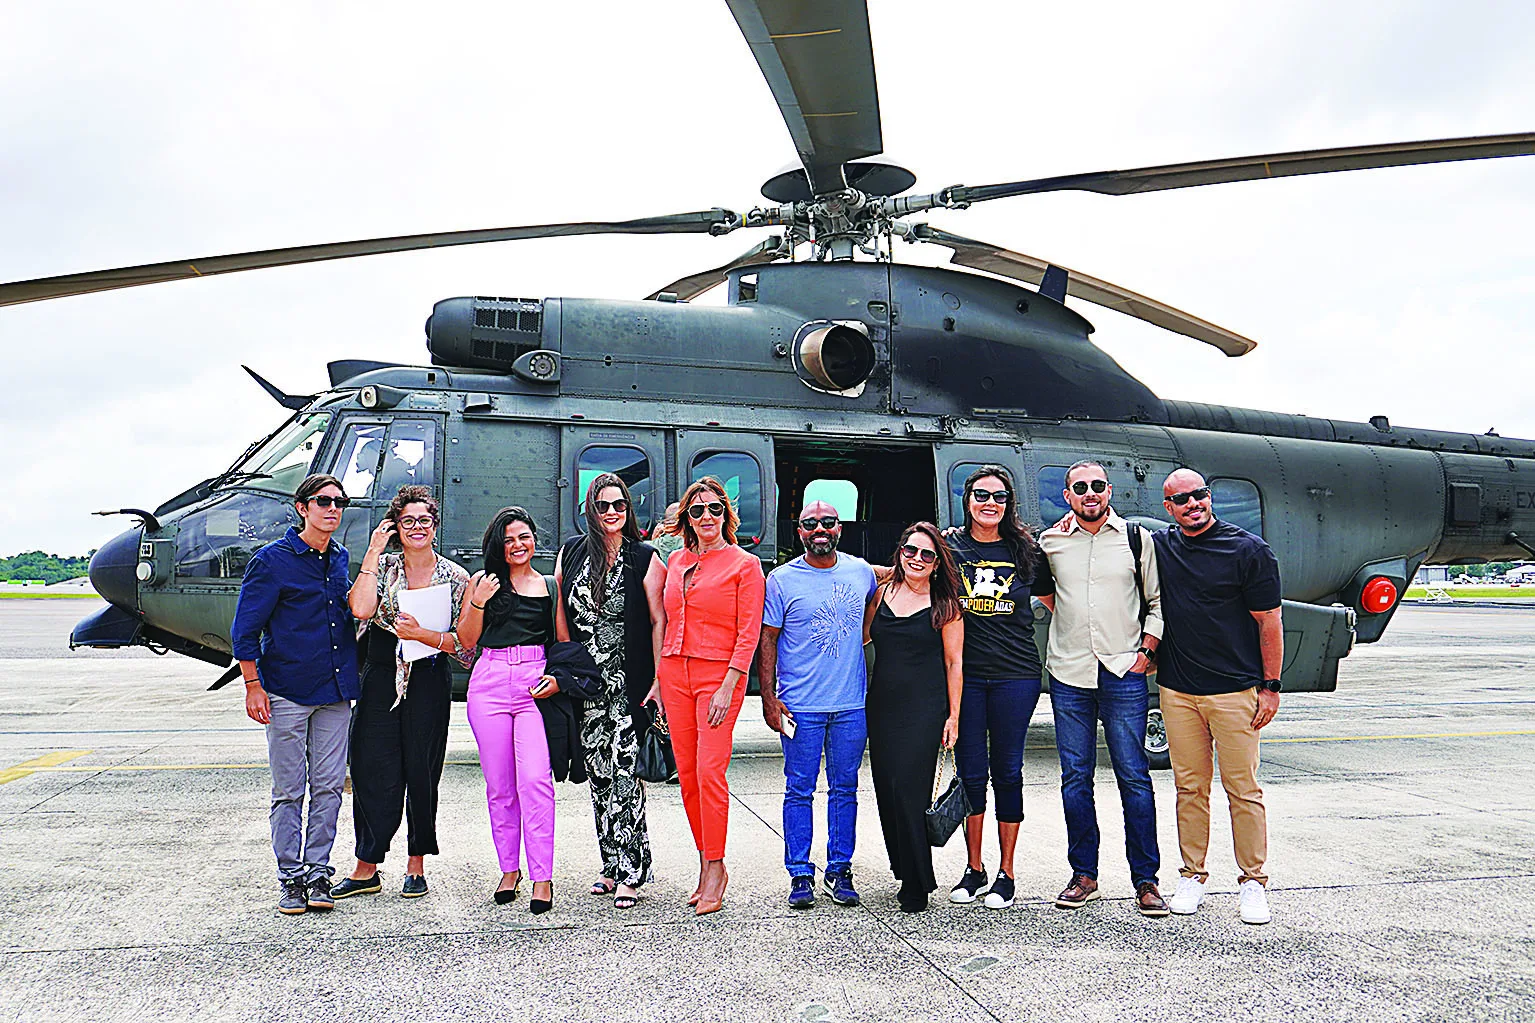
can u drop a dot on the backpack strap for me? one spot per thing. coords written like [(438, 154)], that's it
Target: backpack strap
[(1134, 536)]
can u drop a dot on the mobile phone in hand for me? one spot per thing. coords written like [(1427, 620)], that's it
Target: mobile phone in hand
[(786, 724)]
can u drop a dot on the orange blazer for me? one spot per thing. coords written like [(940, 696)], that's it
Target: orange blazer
[(714, 605)]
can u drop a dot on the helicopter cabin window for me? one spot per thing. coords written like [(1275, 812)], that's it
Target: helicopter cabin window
[(356, 464), (217, 542), (629, 464), (958, 473), (282, 462), (742, 477), (1237, 502), (1052, 502), (410, 456), (840, 494)]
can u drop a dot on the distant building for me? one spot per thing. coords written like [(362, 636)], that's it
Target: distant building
[(1521, 573), (1432, 574)]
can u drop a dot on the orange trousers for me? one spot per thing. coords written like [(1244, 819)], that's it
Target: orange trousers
[(702, 752)]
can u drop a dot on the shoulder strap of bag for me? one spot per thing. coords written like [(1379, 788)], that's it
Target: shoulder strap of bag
[(554, 591), (1134, 537)]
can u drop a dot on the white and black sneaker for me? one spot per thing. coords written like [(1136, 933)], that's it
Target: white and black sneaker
[(1001, 894), (969, 886)]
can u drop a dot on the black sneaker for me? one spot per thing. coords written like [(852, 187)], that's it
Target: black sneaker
[(320, 897), (414, 887), (295, 897), (802, 892), (840, 887), (350, 886), (974, 880), (1001, 894)]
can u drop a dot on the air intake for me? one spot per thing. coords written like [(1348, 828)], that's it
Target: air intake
[(485, 333)]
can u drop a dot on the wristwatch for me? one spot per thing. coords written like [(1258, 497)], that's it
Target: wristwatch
[(1271, 684), (1148, 653)]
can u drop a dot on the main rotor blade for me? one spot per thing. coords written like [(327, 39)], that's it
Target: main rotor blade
[(1005, 263), (702, 222), (819, 63), (1253, 168), (690, 287)]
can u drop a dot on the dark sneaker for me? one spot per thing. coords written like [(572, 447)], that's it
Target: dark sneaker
[(973, 881), (295, 897), (320, 896), (802, 892), (414, 887), (840, 887), (1001, 894), (1148, 900), (349, 887), (1078, 893)]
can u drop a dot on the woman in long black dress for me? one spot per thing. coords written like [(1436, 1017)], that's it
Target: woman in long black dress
[(912, 707)]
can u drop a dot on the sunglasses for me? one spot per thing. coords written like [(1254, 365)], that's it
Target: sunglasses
[(714, 508), (412, 523), (1197, 494), (926, 555), (1080, 486), (983, 496), (825, 522), (325, 501), (619, 505)]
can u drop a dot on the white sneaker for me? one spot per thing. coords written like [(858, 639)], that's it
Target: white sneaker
[(1255, 903), (1186, 899)]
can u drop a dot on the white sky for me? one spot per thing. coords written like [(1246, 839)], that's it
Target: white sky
[(140, 132)]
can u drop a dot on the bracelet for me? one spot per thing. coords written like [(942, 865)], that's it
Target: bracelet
[(367, 571), (477, 607)]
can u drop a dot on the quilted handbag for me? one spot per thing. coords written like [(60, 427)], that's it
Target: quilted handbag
[(950, 807)]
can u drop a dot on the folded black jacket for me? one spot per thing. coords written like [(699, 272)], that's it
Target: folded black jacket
[(579, 680)]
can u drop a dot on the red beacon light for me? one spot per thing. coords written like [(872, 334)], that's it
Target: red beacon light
[(1378, 595)]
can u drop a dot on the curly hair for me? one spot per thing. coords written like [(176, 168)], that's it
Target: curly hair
[(412, 493), (684, 525)]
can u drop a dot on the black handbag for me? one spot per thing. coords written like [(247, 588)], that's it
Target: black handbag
[(949, 809), (655, 762)]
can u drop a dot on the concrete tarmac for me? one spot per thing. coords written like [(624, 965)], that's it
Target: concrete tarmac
[(139, 881)]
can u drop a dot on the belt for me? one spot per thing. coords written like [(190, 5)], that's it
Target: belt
[(514, 654)]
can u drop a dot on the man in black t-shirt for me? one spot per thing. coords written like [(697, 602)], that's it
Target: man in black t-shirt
[(1218, 669)]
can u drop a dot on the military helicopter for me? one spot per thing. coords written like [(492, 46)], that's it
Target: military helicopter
[(876, 381)]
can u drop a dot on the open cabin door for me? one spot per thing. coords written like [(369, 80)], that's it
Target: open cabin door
[(744, 463)]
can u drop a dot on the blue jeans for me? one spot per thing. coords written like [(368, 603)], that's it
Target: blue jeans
[(993, 722), (841, 735), (1120, 703)]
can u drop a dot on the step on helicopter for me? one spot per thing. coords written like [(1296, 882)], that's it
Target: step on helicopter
[(832, 369)]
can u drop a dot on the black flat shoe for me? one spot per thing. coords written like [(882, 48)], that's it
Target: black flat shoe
[(350, 886), (540, 906), (414, 887), (505, 895)]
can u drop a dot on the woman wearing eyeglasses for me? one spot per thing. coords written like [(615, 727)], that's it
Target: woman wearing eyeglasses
[(610, 584), (713, 601), (913, 702), (1001, 567), (400, 724)]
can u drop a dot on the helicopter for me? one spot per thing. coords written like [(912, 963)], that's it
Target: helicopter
[(885, 381)]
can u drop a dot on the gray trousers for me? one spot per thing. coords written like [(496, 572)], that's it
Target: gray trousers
[(306, 746)]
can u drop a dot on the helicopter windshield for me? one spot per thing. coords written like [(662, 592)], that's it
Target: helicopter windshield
[(282, 462)]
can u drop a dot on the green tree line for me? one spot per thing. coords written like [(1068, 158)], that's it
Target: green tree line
[(50, 568)]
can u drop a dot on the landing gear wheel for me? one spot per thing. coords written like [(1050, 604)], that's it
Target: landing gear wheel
[(1156, 741)]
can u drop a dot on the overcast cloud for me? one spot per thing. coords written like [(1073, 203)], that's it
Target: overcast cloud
[(150, 131)]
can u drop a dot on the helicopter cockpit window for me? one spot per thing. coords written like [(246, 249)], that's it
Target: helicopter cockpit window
[(283, 461), (356, 464), (410, 457), (1237, 502), (742, 477), (629, 464), (217, 542)]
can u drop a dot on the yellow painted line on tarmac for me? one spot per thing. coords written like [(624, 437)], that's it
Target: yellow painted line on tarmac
[(48, 761)]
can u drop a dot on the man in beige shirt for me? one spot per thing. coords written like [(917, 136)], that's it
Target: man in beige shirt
[(1103, 636)]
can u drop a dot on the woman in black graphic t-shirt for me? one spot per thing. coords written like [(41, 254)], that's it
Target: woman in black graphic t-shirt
[(1001, 566)]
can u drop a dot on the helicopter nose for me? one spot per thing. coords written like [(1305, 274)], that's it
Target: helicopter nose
[(113, 566)]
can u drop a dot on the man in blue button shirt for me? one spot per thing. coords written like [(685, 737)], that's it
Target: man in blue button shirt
[(296, 643)]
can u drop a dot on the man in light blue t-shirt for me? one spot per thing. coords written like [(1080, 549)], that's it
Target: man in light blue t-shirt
[(811, 668)]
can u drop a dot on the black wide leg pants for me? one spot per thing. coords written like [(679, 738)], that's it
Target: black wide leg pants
[(397, 755)]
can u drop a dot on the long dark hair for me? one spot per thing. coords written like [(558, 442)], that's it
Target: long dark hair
[(597, 537), (1020, 541), (943, 584), (494, 542)]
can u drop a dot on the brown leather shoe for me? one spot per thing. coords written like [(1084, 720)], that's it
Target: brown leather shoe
[(1148, 900), (1078, 893)]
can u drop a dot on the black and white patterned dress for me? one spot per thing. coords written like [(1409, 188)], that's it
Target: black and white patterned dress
[(608, 731)]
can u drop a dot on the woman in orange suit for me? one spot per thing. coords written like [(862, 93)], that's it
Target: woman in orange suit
[(713, 601)]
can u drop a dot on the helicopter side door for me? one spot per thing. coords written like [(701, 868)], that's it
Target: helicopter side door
[(373, 457), (744, 463), (636, 455)]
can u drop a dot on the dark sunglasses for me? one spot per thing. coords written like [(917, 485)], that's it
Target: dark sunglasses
[(1080, 486), (923, 554), (325, 501), (1197, 494), (825, 522), (714, 508), (619, 505), (983, 496)]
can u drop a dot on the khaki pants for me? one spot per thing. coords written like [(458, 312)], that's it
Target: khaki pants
[(1195, 725)]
